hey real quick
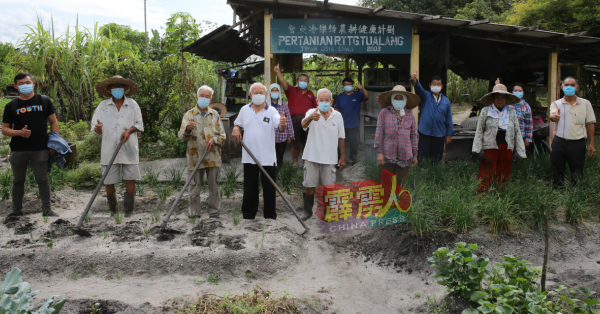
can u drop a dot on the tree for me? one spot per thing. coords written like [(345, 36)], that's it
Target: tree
[(496, 11), (566, 16), (447, 8)]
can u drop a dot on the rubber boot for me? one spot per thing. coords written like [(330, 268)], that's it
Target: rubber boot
[(309, 200), (129, 202), (112, 203)]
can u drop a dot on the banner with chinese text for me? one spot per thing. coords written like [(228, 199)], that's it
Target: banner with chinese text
[(341, 36), (363, 204)]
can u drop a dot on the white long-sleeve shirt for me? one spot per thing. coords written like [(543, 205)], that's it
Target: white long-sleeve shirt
[(114, 123)]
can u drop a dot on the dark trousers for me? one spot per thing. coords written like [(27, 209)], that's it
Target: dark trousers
[(38, 160), (250, 200), (431, 147), (352, 140), (564, 152), (279, 151)]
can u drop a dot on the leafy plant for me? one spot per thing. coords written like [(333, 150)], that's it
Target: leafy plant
[(213, 279), (289, 177), (17, 297), (118, 216), (370, 166), (164, 191)]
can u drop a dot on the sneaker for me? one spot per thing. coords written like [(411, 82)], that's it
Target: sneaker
[(49, 214)]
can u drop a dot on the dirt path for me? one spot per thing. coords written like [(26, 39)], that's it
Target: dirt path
[(380, 270)]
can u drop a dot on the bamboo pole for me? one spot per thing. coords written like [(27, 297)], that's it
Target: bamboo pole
[(267, 47), (553, 80)]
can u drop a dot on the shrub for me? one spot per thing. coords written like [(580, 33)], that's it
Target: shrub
[(508, 287), (90, 148), (17, 297)]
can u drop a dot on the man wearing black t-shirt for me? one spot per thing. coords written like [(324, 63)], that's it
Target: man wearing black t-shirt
[(25, 121)]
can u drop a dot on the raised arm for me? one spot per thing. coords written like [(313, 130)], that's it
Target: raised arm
[(280, 78), (418, 88)]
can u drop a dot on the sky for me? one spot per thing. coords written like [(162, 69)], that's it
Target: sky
[(65, 13)]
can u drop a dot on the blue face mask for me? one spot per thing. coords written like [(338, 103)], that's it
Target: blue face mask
[(518, 94), (347, 88), (324, 106), (203, 102), (117, 92), (274, 95), (398, 104), (569, 90), (303, 85), (26, 89)]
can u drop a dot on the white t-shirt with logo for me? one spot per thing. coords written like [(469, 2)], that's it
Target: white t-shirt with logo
[(322, 142), (259, 134)]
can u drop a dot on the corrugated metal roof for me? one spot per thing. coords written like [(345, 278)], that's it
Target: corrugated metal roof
[(508, 32), (222, 44)]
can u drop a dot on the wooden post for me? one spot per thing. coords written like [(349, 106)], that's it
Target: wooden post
[(553, 80), (414, 63), (267, 46), (347, 70)]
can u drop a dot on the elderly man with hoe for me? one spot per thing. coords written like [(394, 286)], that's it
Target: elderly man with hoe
[(116, 118), (435, 123), (396, 139), (260, 122), (575, 120), (348, 104), (202, 128), (321, 151), (300, 100), (25, 121)]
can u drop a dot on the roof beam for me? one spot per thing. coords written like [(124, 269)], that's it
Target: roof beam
[(431, 17), (377, 9), (517, 29), (576, 34), (473, 23)]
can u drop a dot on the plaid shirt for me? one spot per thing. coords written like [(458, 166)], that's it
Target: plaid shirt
[(525, 120), (396, 142), (282, 108)]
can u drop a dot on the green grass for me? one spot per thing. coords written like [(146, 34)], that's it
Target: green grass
[(229, 180), (152, 173), (444, 197), (175, 176)]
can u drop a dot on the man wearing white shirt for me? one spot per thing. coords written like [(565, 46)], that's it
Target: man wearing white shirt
[(321, 150), (259, 122), (115, 118)]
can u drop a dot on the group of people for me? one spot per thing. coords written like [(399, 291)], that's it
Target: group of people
[(269, 124)]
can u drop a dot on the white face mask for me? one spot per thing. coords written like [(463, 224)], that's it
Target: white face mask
[(436, 89), (258, 99)]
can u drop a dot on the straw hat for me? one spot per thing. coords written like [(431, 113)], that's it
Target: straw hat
[(385, 98), (102, 87), (219, 107), (500, 89)]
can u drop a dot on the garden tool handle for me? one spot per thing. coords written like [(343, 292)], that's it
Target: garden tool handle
[(187, 183), (89, 205), (275, 185)]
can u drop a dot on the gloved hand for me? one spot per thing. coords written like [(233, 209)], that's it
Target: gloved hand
[(480, 156)]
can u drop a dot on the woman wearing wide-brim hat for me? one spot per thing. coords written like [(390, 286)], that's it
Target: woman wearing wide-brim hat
[(396, 139), (498, 141), (119, 117)]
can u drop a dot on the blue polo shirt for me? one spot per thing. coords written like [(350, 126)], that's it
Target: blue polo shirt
[(349, 107), (436, 117)]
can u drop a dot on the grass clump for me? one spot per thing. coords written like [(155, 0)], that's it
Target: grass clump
[(289, 177), (229, 180), (257, 302)]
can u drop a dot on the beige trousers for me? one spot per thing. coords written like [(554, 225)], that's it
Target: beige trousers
[(401, 173), (195, 187)]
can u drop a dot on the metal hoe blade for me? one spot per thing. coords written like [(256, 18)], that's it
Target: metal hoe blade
[(78, 227), (306, 229), (163, 224)]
